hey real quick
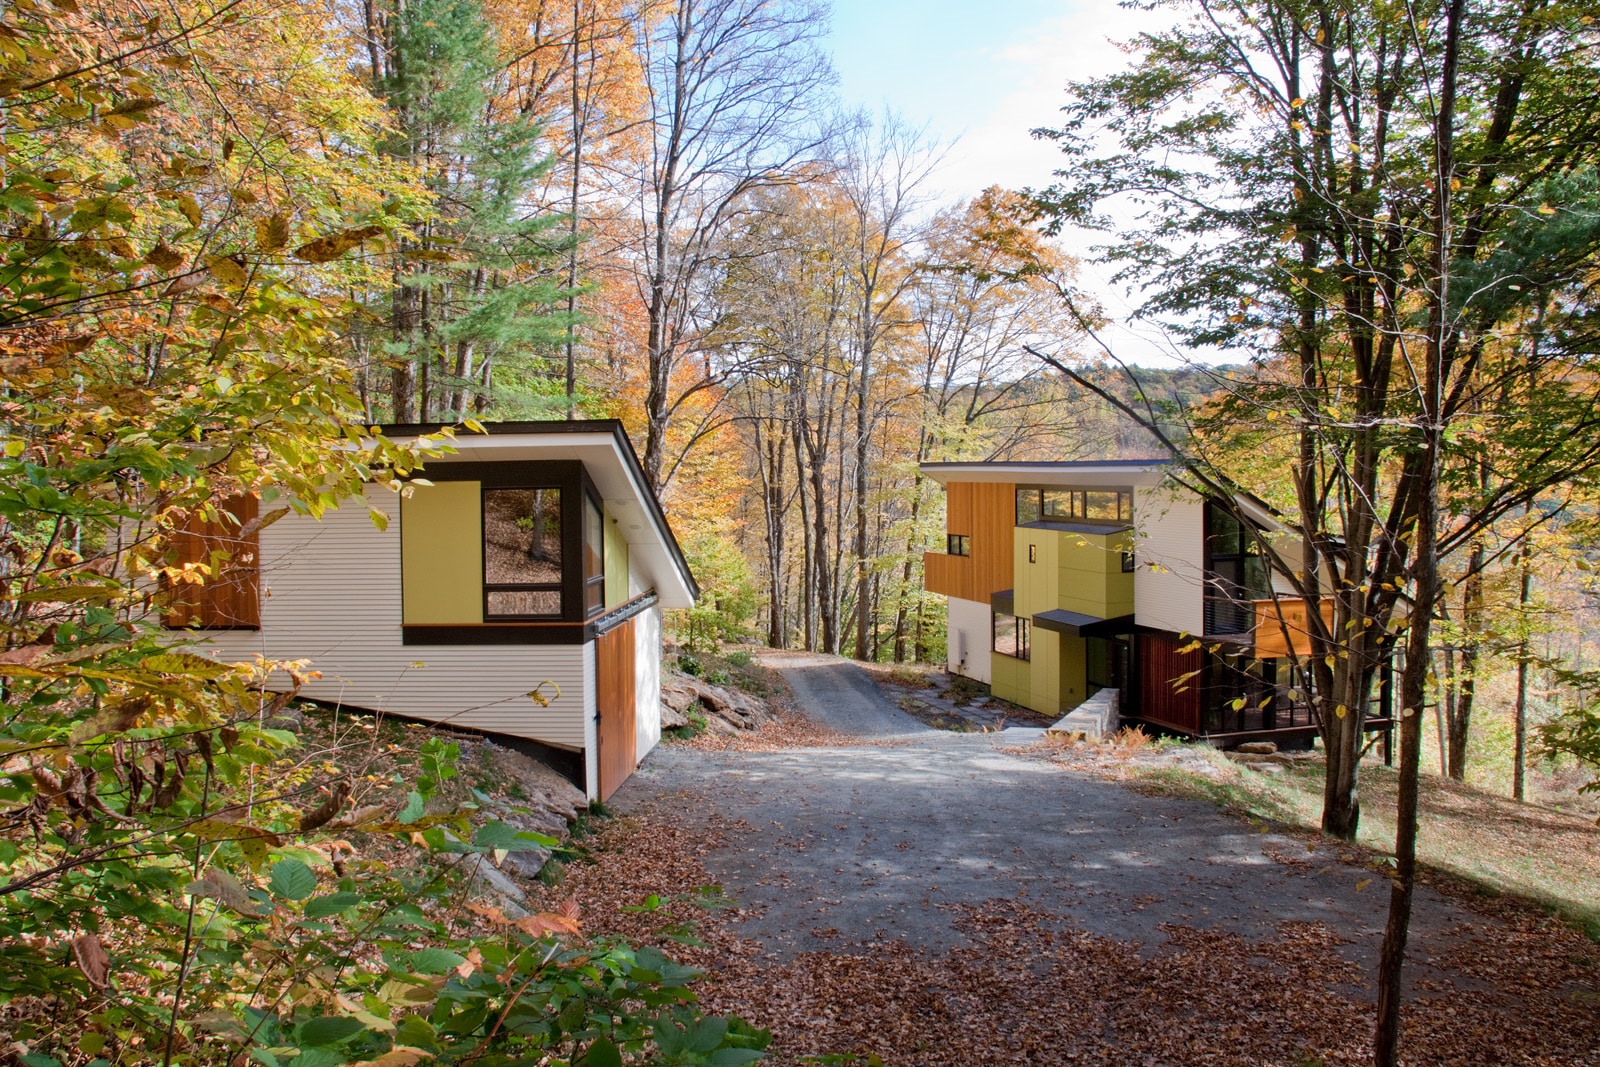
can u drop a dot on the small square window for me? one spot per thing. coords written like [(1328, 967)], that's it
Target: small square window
[(958, 545)]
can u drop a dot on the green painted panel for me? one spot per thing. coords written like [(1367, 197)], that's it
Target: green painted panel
[(441, 553), (1073, 672), (616, 564), (1008, 679)]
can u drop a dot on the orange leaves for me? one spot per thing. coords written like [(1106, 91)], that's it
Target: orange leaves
[(90, 956), (565, 920)]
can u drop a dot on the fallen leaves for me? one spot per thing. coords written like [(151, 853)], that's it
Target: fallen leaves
[(1028, 986)]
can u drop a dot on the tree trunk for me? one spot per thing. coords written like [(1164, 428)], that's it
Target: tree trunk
[(1425, 566), (1519, 748)]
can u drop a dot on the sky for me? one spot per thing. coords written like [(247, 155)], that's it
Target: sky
[(981, 74)]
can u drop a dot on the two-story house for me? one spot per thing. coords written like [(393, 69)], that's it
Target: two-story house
[(1064, 579)]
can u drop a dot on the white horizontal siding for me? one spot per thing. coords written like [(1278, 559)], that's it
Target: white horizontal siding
[(331, 596), (1169, 586)]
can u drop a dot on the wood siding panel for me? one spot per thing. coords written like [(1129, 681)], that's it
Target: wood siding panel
[(946, 575), (615, 704), (986, 513), (1270, 627), (231, 597), (331, 595), (1159, 700)]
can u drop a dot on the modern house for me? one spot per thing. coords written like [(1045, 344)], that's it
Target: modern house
[(1065, 579), (517, 590)]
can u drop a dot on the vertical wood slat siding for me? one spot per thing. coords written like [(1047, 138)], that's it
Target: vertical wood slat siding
[(231, 596), (331, 594), (614, 700), (986, 513), (1160, 663)]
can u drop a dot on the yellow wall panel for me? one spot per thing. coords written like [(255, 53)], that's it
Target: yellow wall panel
[(441, 553), (616, 564)]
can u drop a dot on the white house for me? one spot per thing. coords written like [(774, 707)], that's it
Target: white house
[(520, 594)]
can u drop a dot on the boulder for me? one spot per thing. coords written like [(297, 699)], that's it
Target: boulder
[(738, 710), (1259, 748), (288, 718), (672, 718)]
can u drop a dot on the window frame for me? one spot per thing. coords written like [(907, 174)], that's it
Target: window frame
[(1077, 502), (1024, 635), (568, 475), (558, 586), (953, 542)]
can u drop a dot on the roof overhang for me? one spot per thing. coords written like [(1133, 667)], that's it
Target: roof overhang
[(1086, 473), (1077, 624), (602, 446)]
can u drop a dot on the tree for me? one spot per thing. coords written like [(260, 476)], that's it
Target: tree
[(732, 88), (478, 277), (1314, 194)]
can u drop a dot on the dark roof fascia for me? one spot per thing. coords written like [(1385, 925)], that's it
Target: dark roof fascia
[(1077, 527), (1003, 601), (1077, 624), (1054, 464), (619, 434)]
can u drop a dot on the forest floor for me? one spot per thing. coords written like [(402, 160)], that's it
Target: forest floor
[(941, 898)]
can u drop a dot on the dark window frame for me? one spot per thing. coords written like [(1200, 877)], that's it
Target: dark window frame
[(1077, 506), (958, 545), (1230, 596), (573, 480), (490, 588), (1024, 633)]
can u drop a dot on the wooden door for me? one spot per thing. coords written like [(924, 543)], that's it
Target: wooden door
[(615, 702)]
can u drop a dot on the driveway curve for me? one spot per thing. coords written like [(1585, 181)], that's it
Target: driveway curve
[(836, 693)]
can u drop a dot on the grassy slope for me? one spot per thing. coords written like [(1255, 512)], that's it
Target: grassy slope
[(1493, 843)]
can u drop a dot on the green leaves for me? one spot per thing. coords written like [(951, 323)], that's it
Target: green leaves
[(292, 880), (328, 1030)]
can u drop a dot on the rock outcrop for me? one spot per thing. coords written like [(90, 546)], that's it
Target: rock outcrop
[(725, 710)]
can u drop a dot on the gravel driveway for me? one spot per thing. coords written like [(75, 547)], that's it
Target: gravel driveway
[(862, 843)]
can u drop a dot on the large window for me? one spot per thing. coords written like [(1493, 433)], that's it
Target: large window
[(522, 554), (1236, 575), (1011, 635), (1074, 505)]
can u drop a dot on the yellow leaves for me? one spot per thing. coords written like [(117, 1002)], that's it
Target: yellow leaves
[(1362, 884), (1546, 209), (272, 233), (332, 246), (164, 258), (228, 270), (190, 208)]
